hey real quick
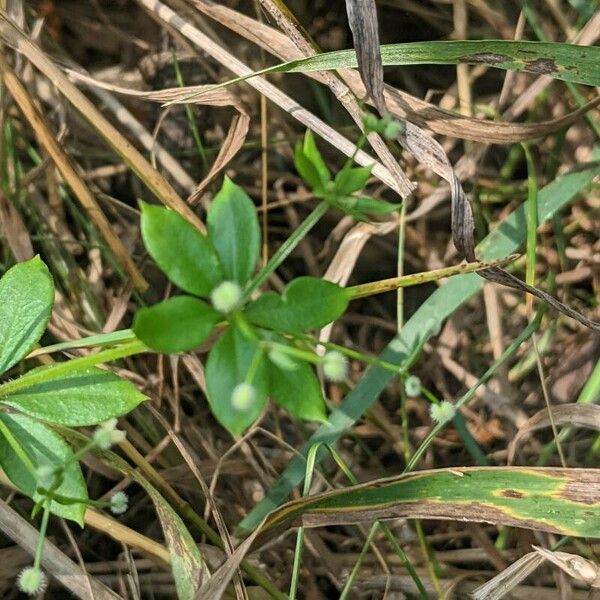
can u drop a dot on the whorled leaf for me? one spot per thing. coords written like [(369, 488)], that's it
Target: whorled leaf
[(306, 303), (175, 325), (183, 254), (234, 232), (228, 365)]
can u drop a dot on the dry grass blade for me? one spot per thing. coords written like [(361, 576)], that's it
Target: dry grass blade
[(63, 163), (579, 415), (13, 36), (54, 561), (507, 580), (216, 585), (576, 566), (234, 139), (399, 103), (362, 16)]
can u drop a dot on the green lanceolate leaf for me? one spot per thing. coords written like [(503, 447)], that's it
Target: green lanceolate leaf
[(26, 297), (234, 232), (175, 325), (568, 62), (310, 164), (41, 447), (183, 254), (311, 152), (228, 365), (348, 181), (306, 303), (298, 391), (84, 397), (563, 501)]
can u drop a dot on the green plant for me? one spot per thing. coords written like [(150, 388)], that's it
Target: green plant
[(262, 348), (33, 455)]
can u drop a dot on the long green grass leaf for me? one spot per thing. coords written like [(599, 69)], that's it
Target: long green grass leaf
[(567, 62)]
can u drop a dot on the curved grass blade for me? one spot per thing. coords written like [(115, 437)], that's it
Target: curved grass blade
[(563, 501), (567, 62), (421, 326)]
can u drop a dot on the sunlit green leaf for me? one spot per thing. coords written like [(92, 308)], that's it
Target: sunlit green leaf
[(306, 303), (234, 231), (228, 365)]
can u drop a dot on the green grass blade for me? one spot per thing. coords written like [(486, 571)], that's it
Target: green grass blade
[(567, 62), (556, 500), (504, 240)]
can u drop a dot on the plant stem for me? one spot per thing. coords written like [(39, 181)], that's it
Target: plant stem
[(286, 248), (526, 334), (388, 285)]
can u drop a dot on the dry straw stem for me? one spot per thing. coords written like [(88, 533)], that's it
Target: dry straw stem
[(234, 139), (12, 35), (125, 535), (164, 13), (64, 165)]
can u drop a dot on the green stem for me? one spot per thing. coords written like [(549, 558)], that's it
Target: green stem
[(526, 334), (39, 548), (43, 374), (286, 248), (388, 285)]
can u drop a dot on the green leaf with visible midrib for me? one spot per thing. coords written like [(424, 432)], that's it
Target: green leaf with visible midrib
[(563, 501)]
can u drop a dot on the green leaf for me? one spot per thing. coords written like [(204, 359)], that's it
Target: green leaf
[(307, 170), (43, 447), (26, 297), (234, 232), (175, 325), (372, 206), (567, 62), (84, 397), (348, 181), (298, 391), (530, 497), (312, 153), (228, 364), (306, 303), (183, 254)]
